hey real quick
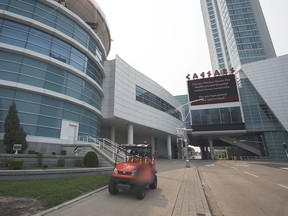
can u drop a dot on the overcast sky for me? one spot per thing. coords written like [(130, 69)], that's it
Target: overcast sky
[(166, 40)]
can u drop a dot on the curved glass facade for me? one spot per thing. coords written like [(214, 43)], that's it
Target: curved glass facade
[(47, 15), (33, 72), (30, 38), (42, 115), (51, 65)]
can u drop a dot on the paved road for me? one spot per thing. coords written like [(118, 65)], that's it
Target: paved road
[(179, 193), (242, 188)]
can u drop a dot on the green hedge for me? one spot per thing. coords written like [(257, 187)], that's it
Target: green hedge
[(63, 152), (16, 164), (78, 163), (90, 159), (61, 163)]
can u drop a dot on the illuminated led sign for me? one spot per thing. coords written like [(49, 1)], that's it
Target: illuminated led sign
[(219, 89)]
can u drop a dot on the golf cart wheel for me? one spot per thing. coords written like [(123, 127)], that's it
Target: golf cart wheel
[(140, 191), (112, 187), (153, 185)]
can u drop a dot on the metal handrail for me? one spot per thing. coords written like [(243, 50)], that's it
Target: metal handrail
[(103, 144)]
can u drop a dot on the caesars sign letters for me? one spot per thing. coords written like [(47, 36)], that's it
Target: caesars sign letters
[(219, 89)]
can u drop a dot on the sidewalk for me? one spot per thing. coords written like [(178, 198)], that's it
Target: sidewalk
[(179, 193)]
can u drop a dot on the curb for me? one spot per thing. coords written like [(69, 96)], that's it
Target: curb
[(47, 211)]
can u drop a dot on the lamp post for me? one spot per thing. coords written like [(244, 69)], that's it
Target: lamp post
[(182, 132)]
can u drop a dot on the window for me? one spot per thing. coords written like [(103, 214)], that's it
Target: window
[(150, 99)]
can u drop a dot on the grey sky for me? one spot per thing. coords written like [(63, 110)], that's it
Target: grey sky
[(166, 40)]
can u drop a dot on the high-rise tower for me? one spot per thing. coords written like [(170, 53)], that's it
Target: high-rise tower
[(236, 32)]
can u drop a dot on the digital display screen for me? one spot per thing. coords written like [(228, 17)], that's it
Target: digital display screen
[(220, 89)]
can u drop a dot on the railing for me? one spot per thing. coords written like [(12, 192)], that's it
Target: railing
[(254, 158), (106, 146)]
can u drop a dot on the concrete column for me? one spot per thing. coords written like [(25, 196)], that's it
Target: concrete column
[(112, 134), (202, 152), (153, 144), (169, 147), (212, 155), (130, 134)]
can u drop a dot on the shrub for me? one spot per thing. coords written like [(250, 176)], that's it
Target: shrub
[(63, 152), (40, 157), (79, 163), (31, 152), (16, 164), (90, 159), (4, 162), (61, 163)]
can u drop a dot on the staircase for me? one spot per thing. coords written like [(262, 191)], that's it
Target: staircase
[(103, 146), (241, 145)]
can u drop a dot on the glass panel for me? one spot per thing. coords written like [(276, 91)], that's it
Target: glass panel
[(205, 115), (26, 96), (30, 130), (4, 5), (52, 102), (45, 14), (5, 103), (48, 121), (22, 8), (215, 116), (28, 107), (7, 75), (54, 87), (39, 42), (80, 35), (48, 132), (60, 50), (71, 116), (51, 111), (74, 86), (26, 118), (225, 115), (64, 24), (196, 117), (78, 60), (236, 115)]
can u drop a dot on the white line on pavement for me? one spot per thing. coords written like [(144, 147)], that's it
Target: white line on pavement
[(251, 174), (283, 186)]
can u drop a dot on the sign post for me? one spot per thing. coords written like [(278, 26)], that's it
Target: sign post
[(17, 147)]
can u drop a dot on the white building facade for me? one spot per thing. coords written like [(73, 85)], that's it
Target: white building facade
[(136, 109)]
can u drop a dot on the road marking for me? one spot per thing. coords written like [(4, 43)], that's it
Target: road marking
[(283, 186), (210, 165), (251, 174), (244, 165), (284, 168)]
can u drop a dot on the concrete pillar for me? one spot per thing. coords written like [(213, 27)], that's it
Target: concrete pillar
[(202, 152), (212, 155), (112, 134), (153, 144), (169, 147), (130, 134)]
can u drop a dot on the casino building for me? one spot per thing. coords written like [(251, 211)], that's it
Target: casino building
[(244, 114)]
